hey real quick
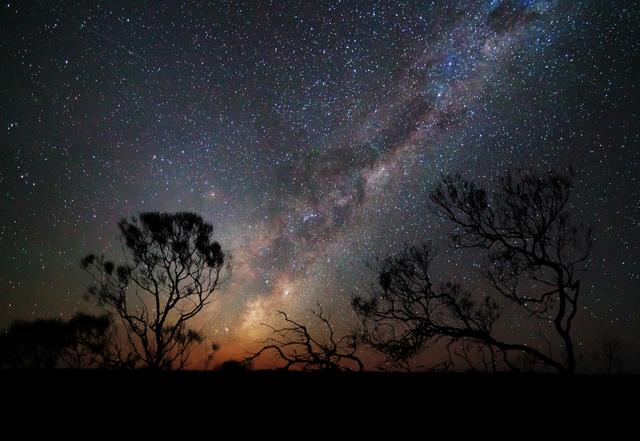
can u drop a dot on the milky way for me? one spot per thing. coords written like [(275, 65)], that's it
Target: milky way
[(310, 136)]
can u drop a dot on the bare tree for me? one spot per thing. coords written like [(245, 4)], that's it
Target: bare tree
[(534, 251), (171, 271), (296, 346)]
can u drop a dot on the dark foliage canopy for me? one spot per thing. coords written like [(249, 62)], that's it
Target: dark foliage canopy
[(171, 269)]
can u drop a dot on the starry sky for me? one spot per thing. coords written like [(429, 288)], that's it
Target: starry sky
[(309, 134)]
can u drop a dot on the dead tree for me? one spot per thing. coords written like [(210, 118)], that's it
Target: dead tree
[(534, 251), (296, 346), (172, 269)]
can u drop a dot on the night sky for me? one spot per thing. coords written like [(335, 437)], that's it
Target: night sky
[(309, 134)]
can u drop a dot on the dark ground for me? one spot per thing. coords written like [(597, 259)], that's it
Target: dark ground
[(382, 397)]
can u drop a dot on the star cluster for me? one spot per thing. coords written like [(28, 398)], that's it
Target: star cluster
[(309, 134)]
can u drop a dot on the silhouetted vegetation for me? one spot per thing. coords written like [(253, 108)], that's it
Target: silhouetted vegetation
[(171, 270), (234, 366), (296, 346), (81, 342), (608, 355), (534, 250)]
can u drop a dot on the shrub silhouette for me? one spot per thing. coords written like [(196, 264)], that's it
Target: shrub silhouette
[(81, 342), (234, 366)]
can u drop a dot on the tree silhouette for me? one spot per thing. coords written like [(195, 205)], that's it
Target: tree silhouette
[(534, 250), (81, 342), (171, 271), (296, 346)]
